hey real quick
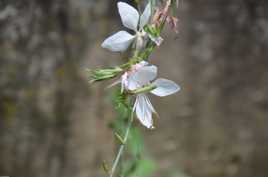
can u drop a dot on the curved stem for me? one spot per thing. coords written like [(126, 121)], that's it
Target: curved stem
[(122, 146)]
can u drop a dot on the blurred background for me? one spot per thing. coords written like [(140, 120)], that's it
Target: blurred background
[(53, 123)]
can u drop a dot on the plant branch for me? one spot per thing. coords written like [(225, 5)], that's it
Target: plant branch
[(122, 146)]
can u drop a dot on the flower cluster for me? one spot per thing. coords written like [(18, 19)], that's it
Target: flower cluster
[(138, 77)]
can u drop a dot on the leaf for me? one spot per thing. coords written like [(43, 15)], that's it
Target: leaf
[(119, 138)]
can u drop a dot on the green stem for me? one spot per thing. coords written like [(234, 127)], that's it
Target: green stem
[(122, 146), (144, 89), (138, 57)]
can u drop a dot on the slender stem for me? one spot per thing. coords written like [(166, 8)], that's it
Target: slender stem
[(144, 89), (122, 146)]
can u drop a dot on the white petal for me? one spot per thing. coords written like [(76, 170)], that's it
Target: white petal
[(129, 15), (144, 111), (150, 104), (141, 77), (119, 42), (165, 87), (145, 17)]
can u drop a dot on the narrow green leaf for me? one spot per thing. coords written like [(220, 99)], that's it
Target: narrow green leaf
[(119, 138)]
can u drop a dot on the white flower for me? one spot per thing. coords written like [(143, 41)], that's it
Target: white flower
[(120, 41), (125, 78), (141, 75)]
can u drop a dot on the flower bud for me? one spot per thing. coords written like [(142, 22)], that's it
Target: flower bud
[(140, 40)]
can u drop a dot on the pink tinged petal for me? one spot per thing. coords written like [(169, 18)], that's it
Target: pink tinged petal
[(119, 42), (123, 81), (145, 17), (144, 111), (129, 15), (165, 87), (142, 76), (132, 84), (157, 40)]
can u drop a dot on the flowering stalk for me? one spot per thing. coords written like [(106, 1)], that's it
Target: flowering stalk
[(122, 146), (155, 30), (138, 77)]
